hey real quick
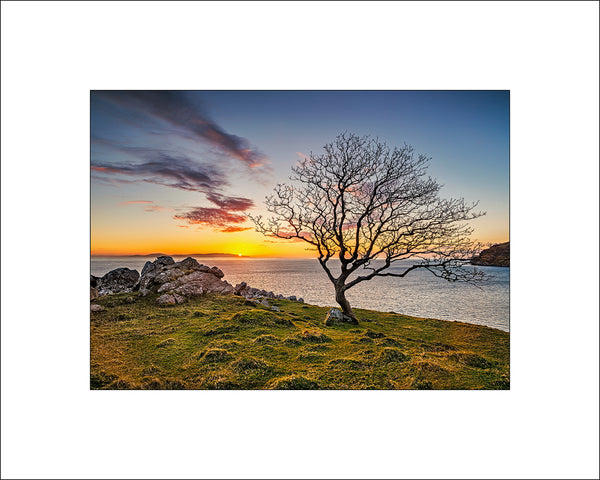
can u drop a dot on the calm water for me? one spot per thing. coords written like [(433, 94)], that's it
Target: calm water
[(419, 294)]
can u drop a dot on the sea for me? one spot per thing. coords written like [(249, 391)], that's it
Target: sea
[(419, 294)]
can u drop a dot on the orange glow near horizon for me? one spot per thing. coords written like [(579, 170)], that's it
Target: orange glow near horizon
[(128, 228), (167, 178), (186, 241)]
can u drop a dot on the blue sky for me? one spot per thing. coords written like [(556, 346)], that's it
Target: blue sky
[(182, 167)]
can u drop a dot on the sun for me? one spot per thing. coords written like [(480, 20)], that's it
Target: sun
[(239, 254)]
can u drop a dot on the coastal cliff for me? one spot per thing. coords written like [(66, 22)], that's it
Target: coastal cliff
[(496, 256)]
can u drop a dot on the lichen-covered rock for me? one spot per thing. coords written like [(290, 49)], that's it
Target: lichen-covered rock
[(117, 281), (212, 284), (250, 293), (94, 307), (217, 272), (173, 273), (336, 317), (170, 299), (191, 289), (265, 303), (191, 264), (148, 267), (153, 275), (187, 278), (164, 261)]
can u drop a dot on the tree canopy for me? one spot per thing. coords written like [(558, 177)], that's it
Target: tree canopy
[(360, 201)]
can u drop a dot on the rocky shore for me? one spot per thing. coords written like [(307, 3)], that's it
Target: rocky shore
[(496, 256), (176, 282)]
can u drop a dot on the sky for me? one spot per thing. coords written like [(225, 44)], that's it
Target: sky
[(175, 172)]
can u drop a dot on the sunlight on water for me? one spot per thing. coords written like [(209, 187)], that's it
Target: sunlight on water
[(419, 294)]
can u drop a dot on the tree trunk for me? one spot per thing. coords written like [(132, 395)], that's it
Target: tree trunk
[(340, 298)]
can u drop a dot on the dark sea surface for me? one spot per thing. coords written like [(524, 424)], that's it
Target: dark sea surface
[(419, 294)]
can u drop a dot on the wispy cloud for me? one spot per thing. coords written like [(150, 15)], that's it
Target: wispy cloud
[(118, 162), (155, 208), (176, 109), (148, 205), (215, 217), (230, 203), (162, 167), (232, 229), (133, 202), (227, 218)]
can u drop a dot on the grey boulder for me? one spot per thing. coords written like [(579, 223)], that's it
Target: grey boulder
[(170, 299), (336, 317), (117, 281), (183, 279)]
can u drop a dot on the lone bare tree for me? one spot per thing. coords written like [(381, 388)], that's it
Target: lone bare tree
[(361, 201)]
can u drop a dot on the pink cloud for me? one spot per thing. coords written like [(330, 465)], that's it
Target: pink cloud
[(231, 229), (211, 217)]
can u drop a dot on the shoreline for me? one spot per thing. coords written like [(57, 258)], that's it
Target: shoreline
[(412, 297)]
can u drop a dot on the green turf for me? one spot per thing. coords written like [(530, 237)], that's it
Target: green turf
[(225, 342)]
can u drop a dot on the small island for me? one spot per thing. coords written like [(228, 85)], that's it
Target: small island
[(496, 256)]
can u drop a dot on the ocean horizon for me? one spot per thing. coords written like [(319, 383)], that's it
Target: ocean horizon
[(419, 294)]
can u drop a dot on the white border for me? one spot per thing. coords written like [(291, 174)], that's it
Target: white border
[(546, 53)]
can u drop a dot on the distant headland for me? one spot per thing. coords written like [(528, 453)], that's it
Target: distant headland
[(496, 256)]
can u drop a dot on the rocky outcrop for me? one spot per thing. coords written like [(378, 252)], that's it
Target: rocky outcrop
[(170, 299), (180, 280), (496, 256), (336, 317), (250, 293), (93, 294), (176, 281), (117, 281)]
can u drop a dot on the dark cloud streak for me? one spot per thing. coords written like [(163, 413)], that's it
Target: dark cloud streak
[(175, 108), (226, 218), (162, 167), (233, 229), (211, 217), (171, 172), (230, 203), (151, 111)]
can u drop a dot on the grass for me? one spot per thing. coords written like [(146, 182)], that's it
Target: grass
[(224, 342)]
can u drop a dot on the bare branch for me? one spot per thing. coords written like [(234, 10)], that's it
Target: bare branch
[(361, 200)]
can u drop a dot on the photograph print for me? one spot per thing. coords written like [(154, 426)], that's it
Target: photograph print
[(310, 240)]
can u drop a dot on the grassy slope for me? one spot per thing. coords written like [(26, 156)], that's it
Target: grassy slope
[(224, 342)]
